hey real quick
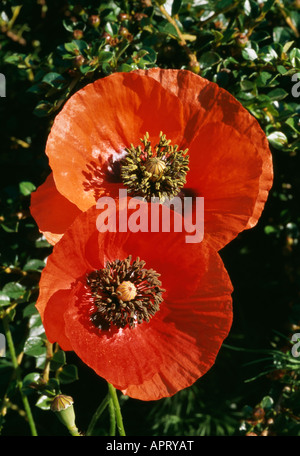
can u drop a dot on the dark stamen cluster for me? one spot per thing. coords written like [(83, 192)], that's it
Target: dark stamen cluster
[(158, 173), (105, 284)]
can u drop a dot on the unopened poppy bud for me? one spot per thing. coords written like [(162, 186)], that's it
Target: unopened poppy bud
[(62, 405)]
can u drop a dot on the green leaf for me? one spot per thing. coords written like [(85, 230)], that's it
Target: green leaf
[(277, 94), (34, 346), (263, 79), (43, 109), (169, 29), (35, 325), (267, 402), (55, 80), (111, 28), (125, 68), (281, 35), (287, 46), (269, 229), (44, 402), (208, 59), (249, 54), (293, 124), (268, 53), (75, 46), (247, 7), (176, 7), (86, 68), (150, 56), (105, 56), (281, 69), (26, 188), (14, 290), (34, 265), (224, 4), (33, 377), (68, 374), (29, 310), (4, 299), (295, 57), (42, 243), (247, 85), (58, 360), (268, 5)]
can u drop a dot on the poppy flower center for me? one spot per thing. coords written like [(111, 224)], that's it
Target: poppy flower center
[(124, 293), (158, 172)]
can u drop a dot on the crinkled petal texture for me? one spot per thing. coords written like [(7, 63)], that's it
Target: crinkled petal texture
[(221, 134), (180, 342), (98, 123), (53, 212), (230, 160)]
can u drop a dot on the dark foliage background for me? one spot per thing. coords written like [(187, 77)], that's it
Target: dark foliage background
[(48, 50)]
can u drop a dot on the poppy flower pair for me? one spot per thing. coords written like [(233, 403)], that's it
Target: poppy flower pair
[(146, 310)]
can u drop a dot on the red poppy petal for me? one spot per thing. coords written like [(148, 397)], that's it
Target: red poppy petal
[(187, 86), (190, 259), (205, 102), (83, 249), (70, 259), (234, 169), (96, 125), (180, 342), (132, 357), (52, 212), (54, 326), (206, 318)]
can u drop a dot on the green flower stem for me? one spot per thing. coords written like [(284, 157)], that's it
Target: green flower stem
[(112, 414), (12, 351), (97, 414), (119, 419)]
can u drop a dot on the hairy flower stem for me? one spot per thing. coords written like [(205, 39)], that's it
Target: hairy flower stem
[(49, 355), (112, 414), (115, 401), (16, 366), (97, 414)]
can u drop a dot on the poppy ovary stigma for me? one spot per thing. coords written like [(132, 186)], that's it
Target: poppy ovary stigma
[(158, 172), (124, 293)]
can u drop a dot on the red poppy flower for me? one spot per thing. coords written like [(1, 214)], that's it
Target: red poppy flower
[(107, 137), (147, 311)]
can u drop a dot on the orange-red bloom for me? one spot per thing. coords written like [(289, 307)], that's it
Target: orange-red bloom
[(148, 335), (230, 163)]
